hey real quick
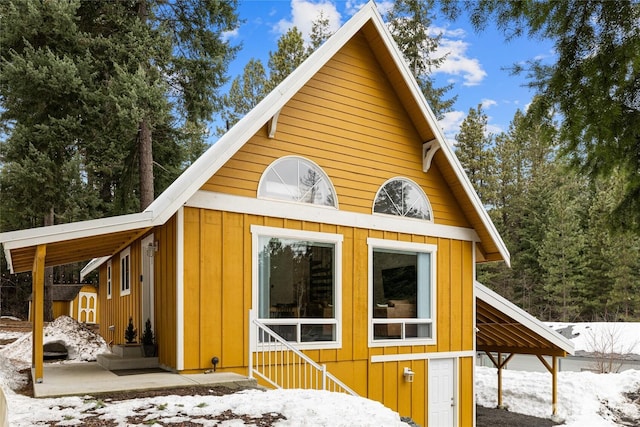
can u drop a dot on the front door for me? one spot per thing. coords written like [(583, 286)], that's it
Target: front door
[(148, 252), (441, 393)]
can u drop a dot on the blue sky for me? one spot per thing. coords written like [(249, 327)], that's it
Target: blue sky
[(475, 63)]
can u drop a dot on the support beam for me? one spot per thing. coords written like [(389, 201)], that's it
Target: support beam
[(499, 364), (429, 149), (553, 369), (37, 315), (272, 125)]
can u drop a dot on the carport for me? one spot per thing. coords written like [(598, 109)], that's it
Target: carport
[(503, 330)]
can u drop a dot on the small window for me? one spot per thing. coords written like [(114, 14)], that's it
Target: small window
[(125, 272), (298, 285), (402, 289), (402, 197), (295, 179), (109, 279)]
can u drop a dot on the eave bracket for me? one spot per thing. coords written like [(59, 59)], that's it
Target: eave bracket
[(429, 149), (272, 124)]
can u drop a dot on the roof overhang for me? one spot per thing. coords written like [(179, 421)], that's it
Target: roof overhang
[(503, 327), (74, 242)]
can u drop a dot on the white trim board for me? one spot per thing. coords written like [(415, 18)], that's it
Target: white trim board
[(421, 356), (322, 214)]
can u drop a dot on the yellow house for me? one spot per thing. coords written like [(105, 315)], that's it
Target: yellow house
[(333, 218)]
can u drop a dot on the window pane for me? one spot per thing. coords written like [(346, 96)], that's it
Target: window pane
[(402, 197), (297, 180), (395, 284), (401, 291), (311, 333), (296, 279)]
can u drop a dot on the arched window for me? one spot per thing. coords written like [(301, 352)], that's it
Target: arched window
[(296, 179), (402, 197)]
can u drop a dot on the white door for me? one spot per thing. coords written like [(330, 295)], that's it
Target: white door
[(441, 393), (148, 252)]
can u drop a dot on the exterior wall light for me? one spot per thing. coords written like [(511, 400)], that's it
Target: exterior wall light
[(408, 375)]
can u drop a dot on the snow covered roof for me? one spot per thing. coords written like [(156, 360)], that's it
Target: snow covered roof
[(103, 237)]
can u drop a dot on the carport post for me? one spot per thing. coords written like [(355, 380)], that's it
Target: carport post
[(554, 387), (553, 369), (37, 283)]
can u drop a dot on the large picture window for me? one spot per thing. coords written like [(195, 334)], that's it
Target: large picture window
[(402, 282), (298, 284)]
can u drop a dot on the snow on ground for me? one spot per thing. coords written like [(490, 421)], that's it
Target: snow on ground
[(619, 337), (585, 398)]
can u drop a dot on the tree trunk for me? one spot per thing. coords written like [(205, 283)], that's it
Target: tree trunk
[(145, 148), (145, 154), (48, 279)]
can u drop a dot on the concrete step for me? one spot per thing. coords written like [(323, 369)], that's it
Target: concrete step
[(114, 362)]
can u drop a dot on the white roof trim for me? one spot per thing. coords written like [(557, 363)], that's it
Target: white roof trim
[(74, 230), (522, 317), (192, 179), (92, 265)]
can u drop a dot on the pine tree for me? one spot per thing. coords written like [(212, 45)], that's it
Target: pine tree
[(245, 93), (562, 252), (474, 152), (593, 83), (409, 23)]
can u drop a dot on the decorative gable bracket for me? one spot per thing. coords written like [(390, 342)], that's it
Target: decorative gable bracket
[(429, 149), (272, 124)]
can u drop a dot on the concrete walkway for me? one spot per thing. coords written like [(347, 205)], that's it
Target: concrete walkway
[(71, 379)]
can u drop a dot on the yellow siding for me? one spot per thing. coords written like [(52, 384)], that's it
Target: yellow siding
[(61, 308), (349, 121), (165, 293), (117, 310), (218, 288)]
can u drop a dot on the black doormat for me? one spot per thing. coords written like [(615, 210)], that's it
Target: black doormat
[(125, 372)]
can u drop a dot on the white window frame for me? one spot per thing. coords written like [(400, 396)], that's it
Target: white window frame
[(125, 274), (258, 231), (109, 279), (374, 243), (318, 168)]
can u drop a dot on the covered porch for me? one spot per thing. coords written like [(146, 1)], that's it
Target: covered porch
[(503, 330), (77, 379)]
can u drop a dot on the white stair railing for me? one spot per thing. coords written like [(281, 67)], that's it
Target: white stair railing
[(281, 365)]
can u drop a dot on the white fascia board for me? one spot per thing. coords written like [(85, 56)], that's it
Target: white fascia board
[(92, 265), (326, 215), (74, 230), (439, 134), (221, 151), (521, 316)]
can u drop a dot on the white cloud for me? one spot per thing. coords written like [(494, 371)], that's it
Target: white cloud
[(303, 13), (232, 34), (488, 103), (450, 125), (457, 62)]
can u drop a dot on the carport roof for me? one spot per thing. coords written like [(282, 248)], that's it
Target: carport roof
[(506, 328)]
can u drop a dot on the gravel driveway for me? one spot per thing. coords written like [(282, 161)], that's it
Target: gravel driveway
[(488, 417)]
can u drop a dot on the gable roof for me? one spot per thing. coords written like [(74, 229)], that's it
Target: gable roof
[(20, 246)]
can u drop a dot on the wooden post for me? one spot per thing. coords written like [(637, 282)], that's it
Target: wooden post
[(553, 369), (37, 279), (499, 364), (499, 380), (554, 387)]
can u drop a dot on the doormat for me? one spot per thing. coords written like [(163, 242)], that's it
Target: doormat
[(125, 372)]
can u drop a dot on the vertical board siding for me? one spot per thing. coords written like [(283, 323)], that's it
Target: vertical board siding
[(165, 293), (218, 259), (349, 121)]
